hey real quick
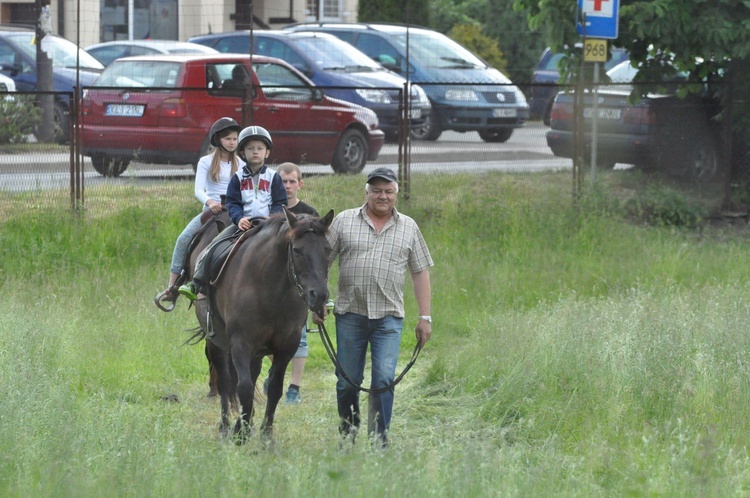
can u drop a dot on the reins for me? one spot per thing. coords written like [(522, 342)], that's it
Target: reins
[(332, 355)]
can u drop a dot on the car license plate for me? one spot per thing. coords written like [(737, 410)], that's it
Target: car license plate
[(503, 113), (416, 113), (603, 113), (124, 110)]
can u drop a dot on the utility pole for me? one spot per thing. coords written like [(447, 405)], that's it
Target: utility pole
[(45, 98)]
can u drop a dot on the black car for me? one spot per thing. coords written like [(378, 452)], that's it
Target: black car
[(657, 132), (546, 76)]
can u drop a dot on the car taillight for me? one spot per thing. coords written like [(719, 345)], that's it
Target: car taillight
[(561, 112), (173, 108), (638, 116)]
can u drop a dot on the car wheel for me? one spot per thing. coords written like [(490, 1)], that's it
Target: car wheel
[(499, 135), (429, 130), (62, 124), (109, 166), (351, 153), (702, 160)]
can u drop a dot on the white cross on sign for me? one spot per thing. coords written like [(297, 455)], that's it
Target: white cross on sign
[(598, 8)]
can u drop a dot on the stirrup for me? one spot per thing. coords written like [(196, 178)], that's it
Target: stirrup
[(170, 295)]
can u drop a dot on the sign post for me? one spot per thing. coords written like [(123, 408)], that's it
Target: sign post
[(598, 18), (597, 21)]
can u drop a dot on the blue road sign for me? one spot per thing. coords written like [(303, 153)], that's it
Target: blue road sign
[(601, 18)]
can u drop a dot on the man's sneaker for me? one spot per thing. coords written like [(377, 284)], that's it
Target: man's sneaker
[(189, 290), (293, 397)]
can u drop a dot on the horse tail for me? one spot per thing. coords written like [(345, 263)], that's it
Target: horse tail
[(198, 335)]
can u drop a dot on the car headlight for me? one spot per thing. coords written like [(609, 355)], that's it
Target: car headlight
[(463, 94), (419, 95), (520, 97), (375, 96)]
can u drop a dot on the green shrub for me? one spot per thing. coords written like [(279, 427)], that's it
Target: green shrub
[(18, 117), (472, 37), (664, 206)]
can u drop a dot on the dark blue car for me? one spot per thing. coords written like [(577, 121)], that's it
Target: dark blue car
[(341, 70), (18, 62)]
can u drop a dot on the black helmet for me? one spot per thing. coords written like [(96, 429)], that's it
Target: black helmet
[(254, 133), (220, 125)]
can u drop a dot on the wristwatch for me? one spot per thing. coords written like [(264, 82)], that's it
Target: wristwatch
[(426, 318)]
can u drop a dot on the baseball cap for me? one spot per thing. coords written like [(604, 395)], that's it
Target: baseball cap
[(384, 173)]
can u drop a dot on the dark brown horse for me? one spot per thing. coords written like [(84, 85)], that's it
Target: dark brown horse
[(258, 305)]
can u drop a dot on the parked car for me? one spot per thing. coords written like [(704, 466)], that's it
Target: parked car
[(107, 52), (546, 76), (18, 61), (657, 132), (7, 85), (159, 109), (466, 94), (343, 71)]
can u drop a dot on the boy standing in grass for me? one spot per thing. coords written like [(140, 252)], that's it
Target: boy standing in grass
[(292, 178)]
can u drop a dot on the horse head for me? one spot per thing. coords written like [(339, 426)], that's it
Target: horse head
[(308, 257)]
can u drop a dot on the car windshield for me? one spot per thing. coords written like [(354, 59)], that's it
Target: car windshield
[(439, 51), (61, 51), (334, 54), (130, 73)]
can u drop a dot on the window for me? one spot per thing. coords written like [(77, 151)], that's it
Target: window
[(279, 82), (323, 10)]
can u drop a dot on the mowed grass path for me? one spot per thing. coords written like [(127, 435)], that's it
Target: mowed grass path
[(574, 354)]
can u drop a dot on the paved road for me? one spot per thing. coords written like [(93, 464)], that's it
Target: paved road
[(452, 153)]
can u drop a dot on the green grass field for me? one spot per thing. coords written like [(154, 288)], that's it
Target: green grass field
[(575, 353)]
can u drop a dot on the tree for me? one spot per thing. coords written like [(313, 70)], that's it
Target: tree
[(521, 46), (400, 11), (471, 37), (708, 39)]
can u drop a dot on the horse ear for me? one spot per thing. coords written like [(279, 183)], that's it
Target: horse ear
[(290, 218), (327, 219)]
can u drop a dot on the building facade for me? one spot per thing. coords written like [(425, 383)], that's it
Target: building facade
[(92, 21)]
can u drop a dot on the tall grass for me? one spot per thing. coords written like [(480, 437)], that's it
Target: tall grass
[(574, 354)]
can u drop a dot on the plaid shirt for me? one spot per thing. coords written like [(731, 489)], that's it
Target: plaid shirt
[(372, 266)]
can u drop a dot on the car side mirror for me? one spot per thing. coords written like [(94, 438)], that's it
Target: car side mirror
[(389, 62), (13, 69), (317, 94)]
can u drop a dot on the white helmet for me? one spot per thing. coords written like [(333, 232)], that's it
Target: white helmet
[(254, 133)]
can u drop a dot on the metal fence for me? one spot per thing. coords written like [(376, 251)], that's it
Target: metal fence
[(686, 140)]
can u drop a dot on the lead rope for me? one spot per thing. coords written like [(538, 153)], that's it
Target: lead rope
[(332, 355)]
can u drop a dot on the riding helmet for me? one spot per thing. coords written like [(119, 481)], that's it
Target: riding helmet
[(254, 133), (222, 124)]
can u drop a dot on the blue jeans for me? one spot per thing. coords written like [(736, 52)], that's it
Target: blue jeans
[(353, 335), (183, 241), (302, 350)]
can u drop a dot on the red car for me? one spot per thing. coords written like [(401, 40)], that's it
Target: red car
[(159, 109)]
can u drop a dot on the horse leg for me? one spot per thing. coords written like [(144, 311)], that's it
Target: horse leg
[(213, 376), (242, 356), (275, 389), (219, 360)]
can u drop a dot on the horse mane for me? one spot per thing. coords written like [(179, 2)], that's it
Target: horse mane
[(276, 226)]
